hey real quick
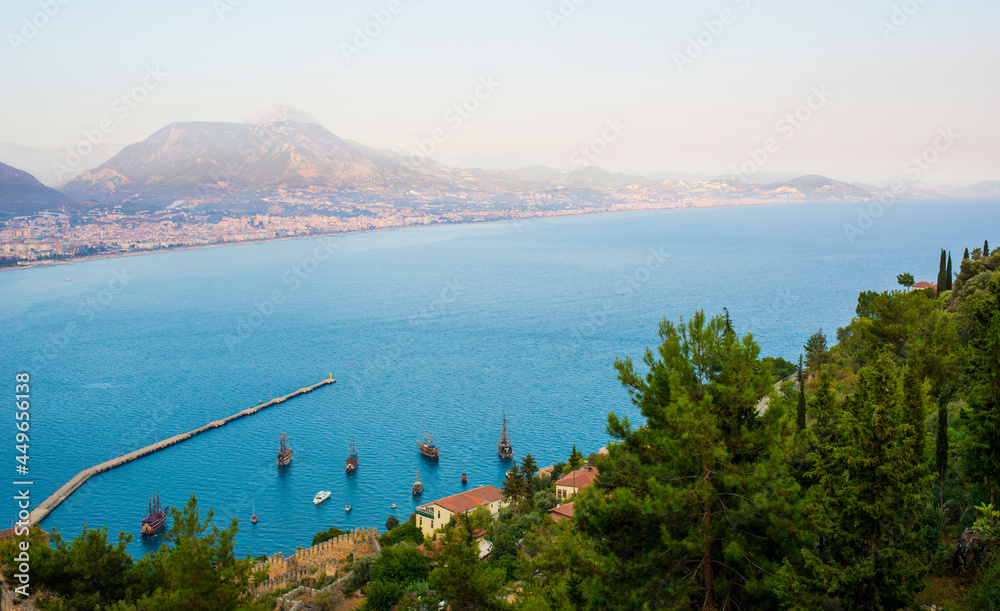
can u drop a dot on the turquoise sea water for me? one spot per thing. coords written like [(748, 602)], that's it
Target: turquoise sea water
[(441, 328)]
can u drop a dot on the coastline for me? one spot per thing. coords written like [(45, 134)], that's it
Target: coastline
[(116, 255)]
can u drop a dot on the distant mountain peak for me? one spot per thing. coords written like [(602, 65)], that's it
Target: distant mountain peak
[(280, 114)]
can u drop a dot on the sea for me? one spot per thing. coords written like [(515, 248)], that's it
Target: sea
[(442, 329)]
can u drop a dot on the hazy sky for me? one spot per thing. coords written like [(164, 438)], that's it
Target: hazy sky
[(562, 72)]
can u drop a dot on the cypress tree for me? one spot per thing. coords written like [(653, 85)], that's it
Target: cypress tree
[(941, 271), (986, 248), (942, 448), (801, 413), (948, 275), (966, 256)]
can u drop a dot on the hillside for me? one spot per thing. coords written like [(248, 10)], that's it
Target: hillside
[(22, 194)]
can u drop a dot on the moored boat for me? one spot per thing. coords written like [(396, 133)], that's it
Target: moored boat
[(321, 496), (156, 517), (504, 448), (352, 458), (284, 452), (418, 486), (465, 479), (348, 507), (427, 447)]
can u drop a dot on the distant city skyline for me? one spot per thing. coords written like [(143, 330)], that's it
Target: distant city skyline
[(858, 91)]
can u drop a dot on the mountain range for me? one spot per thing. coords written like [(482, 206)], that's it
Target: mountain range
[(283, 157)]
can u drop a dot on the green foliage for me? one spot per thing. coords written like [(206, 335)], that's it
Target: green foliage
[(781, 368), (391, 522), (575, 459), (198, 566), (983, 413), (460, 578), (817, 352), (404, 532), (325, 535), (400, 565), (800, 412), (361, 571), (686, 506), (88, 571), (867, 506), (383, 595), (905, 280)]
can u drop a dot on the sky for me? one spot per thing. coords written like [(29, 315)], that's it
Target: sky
[(850, 89)]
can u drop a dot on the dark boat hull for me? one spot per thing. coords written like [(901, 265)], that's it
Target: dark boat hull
[(154, 524)]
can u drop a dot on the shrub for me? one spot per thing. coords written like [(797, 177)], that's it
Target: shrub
[(403, 532), (326, 535)]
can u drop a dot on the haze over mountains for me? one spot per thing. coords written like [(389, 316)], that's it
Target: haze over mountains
[(283, 158)]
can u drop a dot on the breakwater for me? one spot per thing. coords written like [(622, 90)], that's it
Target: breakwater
[(45, 508)]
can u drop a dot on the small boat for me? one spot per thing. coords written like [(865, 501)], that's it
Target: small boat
[(393, 505), (352, 458), (156, 517), (465, 479), (321, 496), (504, 448), (284, 452), (427, 447), (418, 486), (253, 516), (348, 507)]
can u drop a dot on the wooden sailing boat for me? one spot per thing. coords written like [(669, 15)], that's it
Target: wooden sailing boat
[(427, 447), (504, 448), (352, 458), (418, 486), (284, 452)]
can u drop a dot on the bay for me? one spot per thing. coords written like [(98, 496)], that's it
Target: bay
[(441, 328)]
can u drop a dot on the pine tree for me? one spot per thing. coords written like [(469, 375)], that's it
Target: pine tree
[(460, 578), (966, 255), (816, 351), (513, 485), (868, 504), (575, 459), (684, 512), (800, 416), (949, 277), (986, 248), (942, 448)]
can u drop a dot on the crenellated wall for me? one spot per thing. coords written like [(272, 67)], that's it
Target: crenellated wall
[(327, 555)]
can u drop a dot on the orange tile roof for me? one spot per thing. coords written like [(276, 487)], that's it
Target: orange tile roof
[(562, 512), (581, 478), (464, 501)]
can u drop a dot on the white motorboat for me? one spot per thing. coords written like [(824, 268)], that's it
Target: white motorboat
[(321, 496), (348, 508)]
